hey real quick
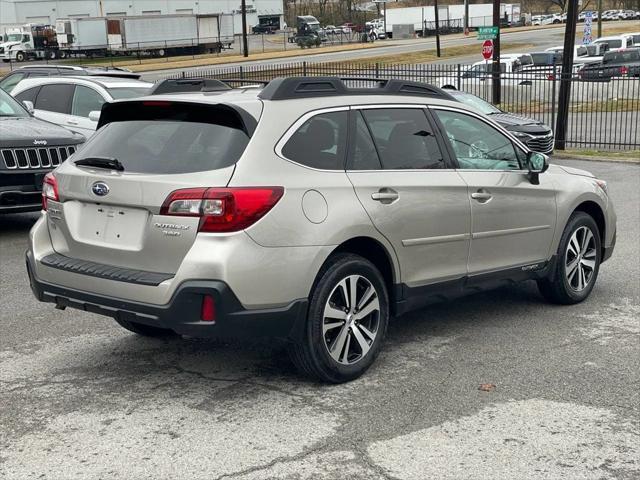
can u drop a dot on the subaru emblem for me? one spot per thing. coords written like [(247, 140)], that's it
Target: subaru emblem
[(100, 189)]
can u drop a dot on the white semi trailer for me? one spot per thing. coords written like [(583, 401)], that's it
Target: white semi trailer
[(157, 35), (480, 15)]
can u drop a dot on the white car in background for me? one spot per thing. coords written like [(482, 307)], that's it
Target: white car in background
[(617, 42), (75, 102)]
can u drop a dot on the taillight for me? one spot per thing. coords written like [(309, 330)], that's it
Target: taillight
[(49, 190), (624, 70), (222, 209)]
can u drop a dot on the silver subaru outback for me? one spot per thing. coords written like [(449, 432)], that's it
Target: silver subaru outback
[(308, 209)]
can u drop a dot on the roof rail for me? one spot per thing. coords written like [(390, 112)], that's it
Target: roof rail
[(308, 87), (180, 85)]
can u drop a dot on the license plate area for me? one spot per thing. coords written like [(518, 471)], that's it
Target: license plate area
[(108, 225)]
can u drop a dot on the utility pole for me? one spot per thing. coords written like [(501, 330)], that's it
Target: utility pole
[(437, 29), (245, 43), (599, 18), (495, 80), (385, 18), (565, 76), (466, 16)]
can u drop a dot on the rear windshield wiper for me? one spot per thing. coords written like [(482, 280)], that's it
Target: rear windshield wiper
[(101, 162)]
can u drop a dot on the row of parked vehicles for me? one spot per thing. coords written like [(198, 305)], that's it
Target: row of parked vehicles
[(604, 59), (556, 18), (308, 209)]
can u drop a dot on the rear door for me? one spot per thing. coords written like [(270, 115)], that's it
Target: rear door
[(53, 103), (412, 195), (85, 100), (513, 221), (113, 217)]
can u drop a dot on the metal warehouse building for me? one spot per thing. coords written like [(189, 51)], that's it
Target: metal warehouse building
[(18, 12)]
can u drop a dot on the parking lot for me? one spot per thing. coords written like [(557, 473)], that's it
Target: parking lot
[(83, 398)]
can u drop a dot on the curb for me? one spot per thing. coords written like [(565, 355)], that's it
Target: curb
[(590, 158)]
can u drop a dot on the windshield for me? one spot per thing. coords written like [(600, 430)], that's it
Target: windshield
[(128, 92), (10, 107), (612, 43), (168, 146), (475, 102), (14, 37)]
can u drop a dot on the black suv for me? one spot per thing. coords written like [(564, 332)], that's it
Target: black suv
[(29, 71), (29, 149)]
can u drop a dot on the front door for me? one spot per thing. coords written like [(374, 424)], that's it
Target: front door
[(413, 197), (513, 221)]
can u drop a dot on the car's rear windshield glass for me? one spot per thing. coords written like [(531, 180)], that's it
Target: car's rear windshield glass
[(168, 146), (128, 92)]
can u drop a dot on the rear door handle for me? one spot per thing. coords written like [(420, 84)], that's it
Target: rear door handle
[(385, 195), (482, 196)]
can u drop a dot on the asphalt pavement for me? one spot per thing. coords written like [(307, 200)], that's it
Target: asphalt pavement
[(82, 398)]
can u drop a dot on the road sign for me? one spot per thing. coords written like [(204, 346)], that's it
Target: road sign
[(586, 30), (487, 49), (488, 33)]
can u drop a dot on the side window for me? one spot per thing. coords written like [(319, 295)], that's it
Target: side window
[(11, 81), (404, 139), (476, 144), (86, 100), (320, 142), (364, 155), (54, 98), (29, 95)]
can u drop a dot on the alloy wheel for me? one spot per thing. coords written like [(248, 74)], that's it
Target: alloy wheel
[(580, 259), (351, 319)]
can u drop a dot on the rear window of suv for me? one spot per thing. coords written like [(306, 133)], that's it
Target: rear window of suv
[(180, 139)]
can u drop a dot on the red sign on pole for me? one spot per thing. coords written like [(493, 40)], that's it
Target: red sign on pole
[(487, 49)]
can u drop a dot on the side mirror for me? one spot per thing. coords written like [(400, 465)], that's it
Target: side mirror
[(536, 163), (29, 106), (94, 115)]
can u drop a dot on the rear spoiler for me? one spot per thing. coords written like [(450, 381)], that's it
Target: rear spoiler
[(148, 108)]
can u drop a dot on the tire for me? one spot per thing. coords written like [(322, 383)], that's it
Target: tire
[(580, 243), (347, 334), (20, 57), (145, 330)]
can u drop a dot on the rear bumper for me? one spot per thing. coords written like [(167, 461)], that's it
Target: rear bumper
[(182, 313)]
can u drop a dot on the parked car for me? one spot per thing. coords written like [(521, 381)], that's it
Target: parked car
[(309, 211), (75, 102), (263, 28), (481, 72), (29, 149), (620, 63), (533, 133), (30, 71), (332, 30), (615, 42)]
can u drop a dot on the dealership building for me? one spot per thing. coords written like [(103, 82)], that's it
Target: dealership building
[(19, 12)]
